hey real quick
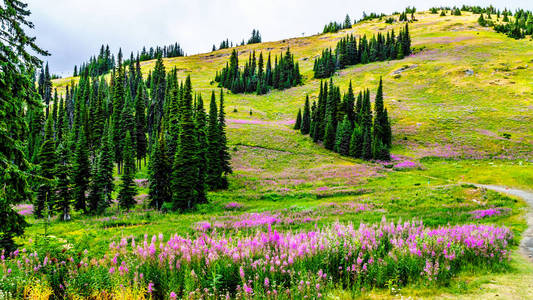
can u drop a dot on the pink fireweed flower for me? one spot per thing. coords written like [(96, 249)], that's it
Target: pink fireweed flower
[(173, 296), (233, 206), (267, 282)]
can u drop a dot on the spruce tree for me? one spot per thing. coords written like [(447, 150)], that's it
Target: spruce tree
[(225, 158), (127, 189), (47, 159), (379, 121), (201, 131), (330, 134), (102, 185), (185, 165), (157, 89), (356, 142), (349, 103), (116, 118), (214, 169), (306, 118), (159, 174), (81, 171), (63, 188), (387, 132), (127, 122), (140, 123), (344, 136), (298, 122)]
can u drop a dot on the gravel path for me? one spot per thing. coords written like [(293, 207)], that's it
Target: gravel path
[(526, 246)]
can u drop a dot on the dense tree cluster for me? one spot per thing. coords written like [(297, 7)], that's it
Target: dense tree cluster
[(350, 51), (256, 77), (334, 26), (369, 17), (105, 60), (225, 44), (345, 125), (255, 38), (517, 25), (173, 50), (97, 125)]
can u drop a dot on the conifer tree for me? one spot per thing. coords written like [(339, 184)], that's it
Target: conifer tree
[(306, 118), (349, 104), (214, 169), (367, 128), (63, 188), (200, 122), (116, 118), (387, 132), (47, 158), (159, 174), (127, 187), (185, 165), (356, 142), (102, 185), (379, 121), (225, 158), (157, 89), (298, 122), (343, 137), (128, 122), (140, 123), (330, 134), (81, 171)]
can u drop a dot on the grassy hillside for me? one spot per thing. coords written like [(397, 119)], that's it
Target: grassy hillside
[(463, 89), (451, 103)]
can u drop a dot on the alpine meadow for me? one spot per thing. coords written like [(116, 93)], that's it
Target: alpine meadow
[(388, 156)]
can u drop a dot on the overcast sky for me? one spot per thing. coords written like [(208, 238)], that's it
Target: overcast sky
[(73, 30)]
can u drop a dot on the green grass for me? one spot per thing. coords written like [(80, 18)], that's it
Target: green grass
[(451, 123)]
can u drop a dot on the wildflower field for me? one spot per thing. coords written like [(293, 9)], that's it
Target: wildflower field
[(301, 222)]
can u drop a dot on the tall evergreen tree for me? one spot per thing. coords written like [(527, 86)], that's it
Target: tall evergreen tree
[(157, 89), (344, 134), (225, 158), (356, 142), (140, 123), (185, 166), (200, 122), (160, 170), (63, 188), (81, 171), (214, 169), (128, 122), (102, 185), (367, 127), (47, 158), (306, 118), (119, 96), (127, 189), (298, 121)]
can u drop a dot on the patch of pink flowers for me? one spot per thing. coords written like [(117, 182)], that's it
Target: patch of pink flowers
[(24, 209), (233, 206), (485, 213), (267, 262), (251, 220), (407, 164)]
